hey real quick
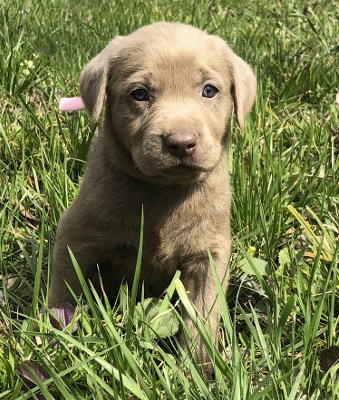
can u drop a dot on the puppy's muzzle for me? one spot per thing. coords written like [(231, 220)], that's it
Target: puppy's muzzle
[(180, 143)]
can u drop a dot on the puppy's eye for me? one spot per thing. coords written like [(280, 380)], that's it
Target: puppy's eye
[(140, 95), (209, 91)]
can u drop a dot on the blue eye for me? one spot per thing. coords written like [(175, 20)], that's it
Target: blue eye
[(209, 91), (140, 95)]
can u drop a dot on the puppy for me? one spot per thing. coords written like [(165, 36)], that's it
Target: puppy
[(170, 91)]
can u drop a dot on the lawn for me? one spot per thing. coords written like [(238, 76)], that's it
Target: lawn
[(279, 327)]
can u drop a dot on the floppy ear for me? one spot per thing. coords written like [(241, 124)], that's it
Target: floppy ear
[(93, 80), (244, 87)]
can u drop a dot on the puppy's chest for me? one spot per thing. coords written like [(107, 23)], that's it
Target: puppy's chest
[(170, 234)]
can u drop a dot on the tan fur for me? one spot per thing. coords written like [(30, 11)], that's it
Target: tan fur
[(186, 200)]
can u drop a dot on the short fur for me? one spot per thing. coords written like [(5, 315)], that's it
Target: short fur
[(186, 200)]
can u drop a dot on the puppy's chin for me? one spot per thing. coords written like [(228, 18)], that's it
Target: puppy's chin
[(167, 178), (183, 174), (171, 170), (180, 174)]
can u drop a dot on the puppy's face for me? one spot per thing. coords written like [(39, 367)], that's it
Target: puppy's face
[(170, 93)]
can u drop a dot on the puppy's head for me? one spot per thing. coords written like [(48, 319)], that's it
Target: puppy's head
[(170, 90)]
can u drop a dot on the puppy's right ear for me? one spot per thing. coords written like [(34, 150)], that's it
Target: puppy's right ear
[(93, 80), (244, 89)]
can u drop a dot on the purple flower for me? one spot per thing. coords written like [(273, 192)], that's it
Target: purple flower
[(64, 313), (25, 370)]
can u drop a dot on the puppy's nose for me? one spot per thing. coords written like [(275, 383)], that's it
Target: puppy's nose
[(181, 143)]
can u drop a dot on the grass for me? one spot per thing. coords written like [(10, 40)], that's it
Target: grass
[(281, 311)]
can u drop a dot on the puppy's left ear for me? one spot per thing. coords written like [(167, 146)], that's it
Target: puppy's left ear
[(93, 79), (244, 87)]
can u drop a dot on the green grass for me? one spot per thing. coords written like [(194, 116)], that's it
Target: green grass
[(279, 314)]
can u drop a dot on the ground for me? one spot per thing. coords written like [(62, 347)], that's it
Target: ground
[(279, 328)]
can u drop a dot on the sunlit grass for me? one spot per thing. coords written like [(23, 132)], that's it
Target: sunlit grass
[(280, 313)]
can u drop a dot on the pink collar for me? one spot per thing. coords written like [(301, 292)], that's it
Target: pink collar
[(71, 104)]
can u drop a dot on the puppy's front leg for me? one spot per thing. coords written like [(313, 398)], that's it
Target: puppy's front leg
[(79, 231), (63, 271), (199, 281)]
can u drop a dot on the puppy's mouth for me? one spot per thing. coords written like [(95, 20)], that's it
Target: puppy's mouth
[(174, 171), (157, 164)]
